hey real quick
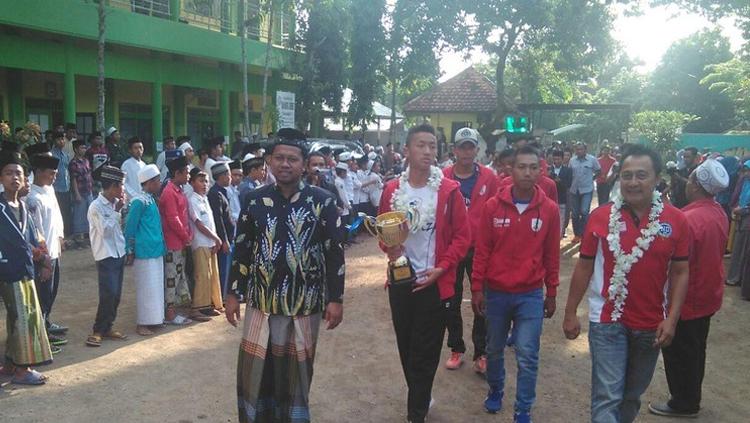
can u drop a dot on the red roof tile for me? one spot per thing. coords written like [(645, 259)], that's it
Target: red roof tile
[(467, 92)]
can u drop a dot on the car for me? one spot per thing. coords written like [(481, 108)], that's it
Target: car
[(337, 146)]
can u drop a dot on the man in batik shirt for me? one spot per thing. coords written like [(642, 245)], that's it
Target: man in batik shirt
[(289, 264)]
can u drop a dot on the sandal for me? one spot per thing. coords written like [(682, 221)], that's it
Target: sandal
[(179, 320), (32, 377), (94, 340), (116, 335), (143, 331)]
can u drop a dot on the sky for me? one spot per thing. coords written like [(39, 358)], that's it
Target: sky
[(646, 37)]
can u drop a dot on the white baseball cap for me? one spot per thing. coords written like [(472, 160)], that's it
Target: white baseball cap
[(466, 135)]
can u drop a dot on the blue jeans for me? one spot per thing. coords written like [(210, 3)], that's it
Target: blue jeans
[(580, 204), (110, 272), (526, 311), (622, 365)]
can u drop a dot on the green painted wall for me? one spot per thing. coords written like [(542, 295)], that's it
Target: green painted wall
[(78, 18)]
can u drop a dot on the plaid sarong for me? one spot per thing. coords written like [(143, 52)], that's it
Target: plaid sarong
[(176, 290), (275, 387), (27, 343)]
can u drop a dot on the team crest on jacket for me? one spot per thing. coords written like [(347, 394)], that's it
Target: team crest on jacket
[(665, 230), (536, 224), (483, 190)]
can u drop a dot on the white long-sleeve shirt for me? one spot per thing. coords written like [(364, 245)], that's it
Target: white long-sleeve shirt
[(105, 230), (161, 163), (131, 167), (45, 212)]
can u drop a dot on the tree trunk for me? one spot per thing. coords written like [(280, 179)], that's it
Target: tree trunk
[(269, 45), (100, 123), (392, 129), (243, 45)]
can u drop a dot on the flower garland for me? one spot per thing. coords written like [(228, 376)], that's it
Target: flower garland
[(618, 284), (400, 199)]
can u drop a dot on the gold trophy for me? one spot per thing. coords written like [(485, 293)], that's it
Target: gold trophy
[(392, 229)]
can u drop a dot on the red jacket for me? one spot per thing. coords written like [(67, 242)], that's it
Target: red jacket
[(452, 230), (514, 252), (485, 188), (173, 208), (708, 240), (544, 182)]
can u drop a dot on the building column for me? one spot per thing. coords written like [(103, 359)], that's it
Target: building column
[(109, 104), (224, 112), (157, 132), (69, 89), (175, 9), (180, 128), (16, 112)]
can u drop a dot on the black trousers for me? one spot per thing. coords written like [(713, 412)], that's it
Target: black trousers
[(47, 291), (602, 193), (419, 322), (66, 210), (455, 322), (110, 272), (684, 364)]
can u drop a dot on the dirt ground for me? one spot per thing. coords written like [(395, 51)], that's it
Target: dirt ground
[(187, 375)]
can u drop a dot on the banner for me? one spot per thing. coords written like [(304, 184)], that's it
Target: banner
[(285, 105)]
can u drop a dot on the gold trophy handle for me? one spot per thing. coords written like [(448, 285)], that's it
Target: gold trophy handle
[(369, 223)]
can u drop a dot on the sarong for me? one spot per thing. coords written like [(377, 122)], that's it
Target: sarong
[(27, 344), (275, 387), (149, 291), (176, 290), (207, 291)]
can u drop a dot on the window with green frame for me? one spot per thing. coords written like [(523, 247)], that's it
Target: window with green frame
[(135, 120)]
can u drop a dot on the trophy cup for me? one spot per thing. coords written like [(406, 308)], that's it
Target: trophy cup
[(392, 229)]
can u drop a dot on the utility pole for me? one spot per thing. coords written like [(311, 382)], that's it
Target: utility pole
[(243, 41)]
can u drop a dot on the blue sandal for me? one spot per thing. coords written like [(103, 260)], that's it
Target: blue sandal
[(32, 377)]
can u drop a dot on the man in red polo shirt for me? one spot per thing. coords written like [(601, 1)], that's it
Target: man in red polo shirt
[(605, 162), (478, 184), (685, 359), (626, 271)]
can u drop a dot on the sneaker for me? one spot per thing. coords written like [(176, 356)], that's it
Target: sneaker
[(56, 329), (494, 401), (663, 409), (480, 365), (55, 349), (522, 417), (455, 361), (56, 340)]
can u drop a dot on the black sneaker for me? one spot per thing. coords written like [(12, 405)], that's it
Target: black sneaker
[(56, 340), (663, 409), (56, 329)]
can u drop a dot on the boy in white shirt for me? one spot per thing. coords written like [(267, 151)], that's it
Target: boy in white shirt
[(206, 243), (132, 166)]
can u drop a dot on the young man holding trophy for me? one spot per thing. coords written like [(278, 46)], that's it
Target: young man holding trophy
[(427, 214)]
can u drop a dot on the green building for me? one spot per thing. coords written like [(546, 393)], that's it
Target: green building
[(172, 67)]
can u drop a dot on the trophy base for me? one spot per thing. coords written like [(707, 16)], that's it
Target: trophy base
[(401, 274)]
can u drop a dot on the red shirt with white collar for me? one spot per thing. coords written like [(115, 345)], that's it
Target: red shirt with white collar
[(646, 304)]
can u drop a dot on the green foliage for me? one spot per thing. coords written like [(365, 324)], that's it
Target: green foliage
[(324, 33), (675, 83), (661, 128), (367, 58), (731, 78)]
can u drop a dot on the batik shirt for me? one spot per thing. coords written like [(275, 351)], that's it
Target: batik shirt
[(288, 256)]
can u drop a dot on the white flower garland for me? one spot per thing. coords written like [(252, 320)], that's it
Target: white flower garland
[(618, 284), (400, 199)]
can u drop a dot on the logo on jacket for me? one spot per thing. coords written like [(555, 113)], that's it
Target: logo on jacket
[(483, 190), (500, 223), (536, 224), (665, 230)]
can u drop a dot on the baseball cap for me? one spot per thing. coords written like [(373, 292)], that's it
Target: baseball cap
[(466, 135)]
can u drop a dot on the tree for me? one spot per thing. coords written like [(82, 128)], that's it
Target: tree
[(732, 79), (661, 128), (367, 58), (675, 83), (555, 27), (323, 27)]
